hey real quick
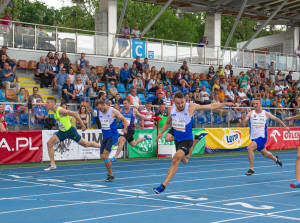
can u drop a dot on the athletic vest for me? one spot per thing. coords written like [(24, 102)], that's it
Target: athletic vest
[(82, 62), (108, 124), (182, 123), (64, 123), (258, 125), (129, 117)]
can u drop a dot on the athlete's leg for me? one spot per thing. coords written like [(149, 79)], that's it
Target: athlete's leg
[(137, 141), (121, 140), (298, 165), (267, 154), (105, 156), (174, 166), (85, 143), (51, 142), (186, 158), (169, 137), (251, 147)]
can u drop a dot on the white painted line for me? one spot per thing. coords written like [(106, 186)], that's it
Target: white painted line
[(235, 219)]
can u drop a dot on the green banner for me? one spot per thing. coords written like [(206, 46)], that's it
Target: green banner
[(147, 148)]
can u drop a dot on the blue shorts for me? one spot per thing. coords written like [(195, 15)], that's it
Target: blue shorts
[(108, 143), (260, 142), (70, 134)]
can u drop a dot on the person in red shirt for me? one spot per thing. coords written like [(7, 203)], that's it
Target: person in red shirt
[(148, 113), (6, 20)]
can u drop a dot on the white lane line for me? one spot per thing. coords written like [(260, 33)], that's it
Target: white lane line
[(129, 213), (235, 219)]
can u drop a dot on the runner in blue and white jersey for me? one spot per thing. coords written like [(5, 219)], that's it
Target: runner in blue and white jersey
[(258, 133), (181, 115)]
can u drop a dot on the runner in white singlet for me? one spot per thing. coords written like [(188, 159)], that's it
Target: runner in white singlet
[(258, 133)]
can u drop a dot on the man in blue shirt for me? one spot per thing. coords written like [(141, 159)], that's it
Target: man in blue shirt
[(40, 112), (125, 76), (69, 92), (200, 49), (7, 77), (110, 74), (145, 65), (59, 81)]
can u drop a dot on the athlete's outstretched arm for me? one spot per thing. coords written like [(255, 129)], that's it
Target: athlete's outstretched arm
[(292, 118), (213, 106), (118, 115), (65, 112), (270, 116), (141, 116), (166, 125)]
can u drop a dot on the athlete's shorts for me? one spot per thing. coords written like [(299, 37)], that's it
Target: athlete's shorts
[(70, 134), (108, 143), (184, 145), (129, 136), (171, 131), (261, 142)]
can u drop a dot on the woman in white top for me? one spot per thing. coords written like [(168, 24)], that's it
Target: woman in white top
[(80, 91), (72, 75), (152, 85), (227, 72)]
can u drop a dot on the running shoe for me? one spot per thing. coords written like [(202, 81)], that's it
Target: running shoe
[(159, 189), (250, 172), (113, 159), (50, 167), (200, 135), (295, 185), (278, 161), (109, 178), (147, 137)]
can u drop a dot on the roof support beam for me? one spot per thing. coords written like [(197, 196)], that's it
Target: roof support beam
[(4, 5), (122, 16), (235, 23), (264, 25)]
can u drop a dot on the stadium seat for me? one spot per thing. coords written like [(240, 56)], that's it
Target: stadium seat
[(282, 103), (205, 83), (142, 98), (2, 98), (207, 90), (200, 119), (184, 90), (168, 80), (122, 95), (121, 88), (100, 84), (24, 119), (11, 119), (174, 89), (99, 70), (108, 86), (22, 64), (208, 119), (129, 86), (263, 102), (150, 98), (32, 65), (268, 102)]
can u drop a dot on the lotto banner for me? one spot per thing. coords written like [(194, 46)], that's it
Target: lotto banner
[(226, 139), (167, 149), (21, 146), (278, 138), (146, 148)]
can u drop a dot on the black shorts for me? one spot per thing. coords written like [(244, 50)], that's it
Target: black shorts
[(184, 145), (129, 135), (108, 143), (171, 131)]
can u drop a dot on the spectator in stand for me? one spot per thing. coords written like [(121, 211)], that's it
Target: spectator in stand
[(102, 96), (221, 71), (80, 91), (168, 99), (278, 89), (196, 83), (41, 71), (109, 103), (153, 85), (2, 117), (93, 91), (12, 64), (217, 100), (86, 67), (81, 61), (163, 74), (243, 80), (249, 92), (109, 62), (112, 91), (162, 111), (152, 71), (159, 99), (93, 77), (230, 97), (139, 85), (118, 99), (64, 62), (72, 75), (7, 77), (224, 84), (122, 40), (216, 85), (263, 76), (69, 92), (190, 97), (133, 71), (22, 98), (56, 59), (85, 81), (187, 78), (35, 95), (40, 112), (145, 64), (83, 114), (125, 76), (49, 55), (146, 77), (272, 75), (3, 60), (109, 75), (289, 78), (221, 94), (211, 73), (203, 42), (59, 81), (134, 99), (197, 96), (6, 21), (178, 79), (204, 96), (227, 72), (243, 96), (280, 77), (52, 68), (147, 113), (165, 85), (136, 32), (297, 51), (184, 66), (2, 124), (138, 64), (215, 77)]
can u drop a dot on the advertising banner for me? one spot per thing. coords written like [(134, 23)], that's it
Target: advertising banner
[(226, 139), (20, 146), (278, 138)]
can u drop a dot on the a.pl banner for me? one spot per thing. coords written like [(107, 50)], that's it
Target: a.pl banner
[(70, 150), (20, 146), (279, 138)]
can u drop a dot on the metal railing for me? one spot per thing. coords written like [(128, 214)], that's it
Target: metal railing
[(69, 40)]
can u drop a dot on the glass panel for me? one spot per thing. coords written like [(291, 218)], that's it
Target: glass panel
[(123, 47), (291, 62), (102, 46), (298, 61), (237, 58), (184, 53), (281, 62), (260, 60), (66, 42), (86, 43), (45, 38), (270, 57), (197, 54), (169, 50), (225, 57), (248, 59), (6, 34), (156, 48), (24, 36)]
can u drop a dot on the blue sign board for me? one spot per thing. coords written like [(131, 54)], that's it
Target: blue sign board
[(150, 54), (138, 48)]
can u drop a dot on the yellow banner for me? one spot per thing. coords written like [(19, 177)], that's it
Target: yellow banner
[(227, 138)]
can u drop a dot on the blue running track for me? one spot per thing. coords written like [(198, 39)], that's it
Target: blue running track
[(207, 189)]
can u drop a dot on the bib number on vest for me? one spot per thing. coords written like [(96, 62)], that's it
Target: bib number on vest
[(128, 121), (105, 124), (60, 125), (179, 124)]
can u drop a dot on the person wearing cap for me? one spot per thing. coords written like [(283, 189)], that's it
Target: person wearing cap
[(112, 91), (81, 61)]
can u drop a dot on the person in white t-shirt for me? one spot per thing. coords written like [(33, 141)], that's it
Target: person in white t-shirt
[(243, 96), (147, 113), (136, 32), (297, 51), (278, 89)]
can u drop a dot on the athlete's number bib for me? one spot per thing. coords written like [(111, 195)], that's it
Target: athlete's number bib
[(60, 125), (128, 121), (105, 124), (179, 124), (258, 122)]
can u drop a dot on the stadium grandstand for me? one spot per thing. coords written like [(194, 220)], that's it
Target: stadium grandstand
[(103, 79)]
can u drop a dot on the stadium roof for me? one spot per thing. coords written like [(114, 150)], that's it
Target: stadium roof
[(254, 10)]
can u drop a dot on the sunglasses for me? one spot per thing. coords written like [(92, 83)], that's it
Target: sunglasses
[(64, 70)]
